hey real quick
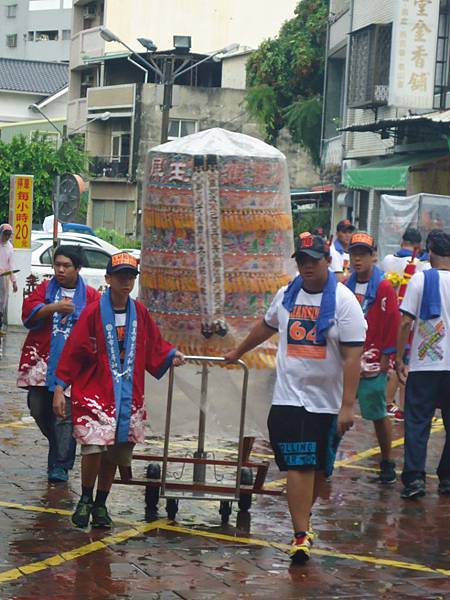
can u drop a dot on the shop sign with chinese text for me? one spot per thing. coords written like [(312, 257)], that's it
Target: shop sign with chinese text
[(413, 57), (21, 209)]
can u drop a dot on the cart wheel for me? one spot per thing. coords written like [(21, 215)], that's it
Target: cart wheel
[(225, 511), (152, 493), (245, 500), (171, 508)]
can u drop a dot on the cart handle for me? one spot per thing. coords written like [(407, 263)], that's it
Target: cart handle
[(216, 359)]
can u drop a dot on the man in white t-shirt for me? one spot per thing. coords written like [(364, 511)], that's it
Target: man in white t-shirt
[(321, 331), (395, 265), (427, 305), (410, 245), (340, 258)]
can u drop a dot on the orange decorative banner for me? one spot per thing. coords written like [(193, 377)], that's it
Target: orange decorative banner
[(21, 209)]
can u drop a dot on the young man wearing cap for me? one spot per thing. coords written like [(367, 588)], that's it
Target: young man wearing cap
[(340, 260), (6, 270), (321, 331), (104, 361), (50, 313), (426, 307), (410, 245), (396, 264), (379, 303)]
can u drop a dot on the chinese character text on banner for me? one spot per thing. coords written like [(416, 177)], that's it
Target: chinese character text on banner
[(21, 209), (413, 57)]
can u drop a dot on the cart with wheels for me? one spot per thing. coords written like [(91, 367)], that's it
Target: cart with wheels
[(249, 476)]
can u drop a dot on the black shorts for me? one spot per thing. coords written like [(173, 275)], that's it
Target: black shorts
[(302, 440)]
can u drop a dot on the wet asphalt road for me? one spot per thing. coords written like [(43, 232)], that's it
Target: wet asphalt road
[(369, 542)]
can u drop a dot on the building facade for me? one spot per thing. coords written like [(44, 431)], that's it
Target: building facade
[(386, 94), (35, 29), (104, 77)]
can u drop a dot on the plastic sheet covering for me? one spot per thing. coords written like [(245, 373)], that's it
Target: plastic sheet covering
[(217, 240), (223, 404), (397, 213)]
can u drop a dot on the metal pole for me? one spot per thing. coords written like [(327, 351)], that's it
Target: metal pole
[(167, 431), (56, 212), (200, 470), (167, 99)]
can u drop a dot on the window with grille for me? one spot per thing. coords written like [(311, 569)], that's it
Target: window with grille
[(11, 11), (370, 56), (46, 36), (11, 40)]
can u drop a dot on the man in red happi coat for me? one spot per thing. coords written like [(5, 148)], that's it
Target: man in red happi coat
[(104, 361), (50, 313)]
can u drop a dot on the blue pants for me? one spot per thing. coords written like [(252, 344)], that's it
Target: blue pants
[(425, 391), (61, 443)]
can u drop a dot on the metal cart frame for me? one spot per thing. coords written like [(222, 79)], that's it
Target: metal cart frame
[(156, 483)]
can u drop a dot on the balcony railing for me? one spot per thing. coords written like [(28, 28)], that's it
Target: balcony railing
[(104, 166)]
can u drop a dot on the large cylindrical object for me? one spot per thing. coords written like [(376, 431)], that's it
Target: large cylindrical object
[(217, 239)]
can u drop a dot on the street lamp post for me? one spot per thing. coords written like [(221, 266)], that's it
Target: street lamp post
[(64, 138), (168, 75)]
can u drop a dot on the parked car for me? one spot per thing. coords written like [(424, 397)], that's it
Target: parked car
[(76, 238), (77, 228), (93, 271)]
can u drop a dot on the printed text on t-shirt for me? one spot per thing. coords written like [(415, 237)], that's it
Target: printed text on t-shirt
[(302, 328)]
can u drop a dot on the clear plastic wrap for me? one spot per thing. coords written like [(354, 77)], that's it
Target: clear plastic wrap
[(217, 240)]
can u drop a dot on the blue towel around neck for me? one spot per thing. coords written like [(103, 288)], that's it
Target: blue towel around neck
[(339, 247), (403, 253), (430, 307), (372, 287), (327, 305)]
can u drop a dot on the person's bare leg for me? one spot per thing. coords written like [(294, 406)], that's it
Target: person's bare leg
[(106, 475), (402, 397), (90, 467), (300, 494), (391, 388), (383, 430)]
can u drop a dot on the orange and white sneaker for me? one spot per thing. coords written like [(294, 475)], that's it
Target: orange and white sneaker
[(300, 549)]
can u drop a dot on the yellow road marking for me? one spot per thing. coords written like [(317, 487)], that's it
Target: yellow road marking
[(15, 425), (58, 559), (375, 470), (257, 542), (435, 427), (56, 511)]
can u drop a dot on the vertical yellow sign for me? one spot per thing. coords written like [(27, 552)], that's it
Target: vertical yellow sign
[(21, 209)]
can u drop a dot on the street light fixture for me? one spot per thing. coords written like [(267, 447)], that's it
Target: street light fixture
[(148, 43), (103, 117), (57, 197), (182, 45)]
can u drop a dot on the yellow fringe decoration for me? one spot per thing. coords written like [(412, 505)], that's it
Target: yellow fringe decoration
[(236, 221), (234, 282), (396, 279)]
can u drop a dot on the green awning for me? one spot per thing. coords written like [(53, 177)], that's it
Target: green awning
[(388, 173)]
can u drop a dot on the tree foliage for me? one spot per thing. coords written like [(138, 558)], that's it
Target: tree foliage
[(285, 76), (38, 156)]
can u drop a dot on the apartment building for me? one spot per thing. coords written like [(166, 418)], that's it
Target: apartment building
[(106, 77), (386, 119), (35, 29)]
